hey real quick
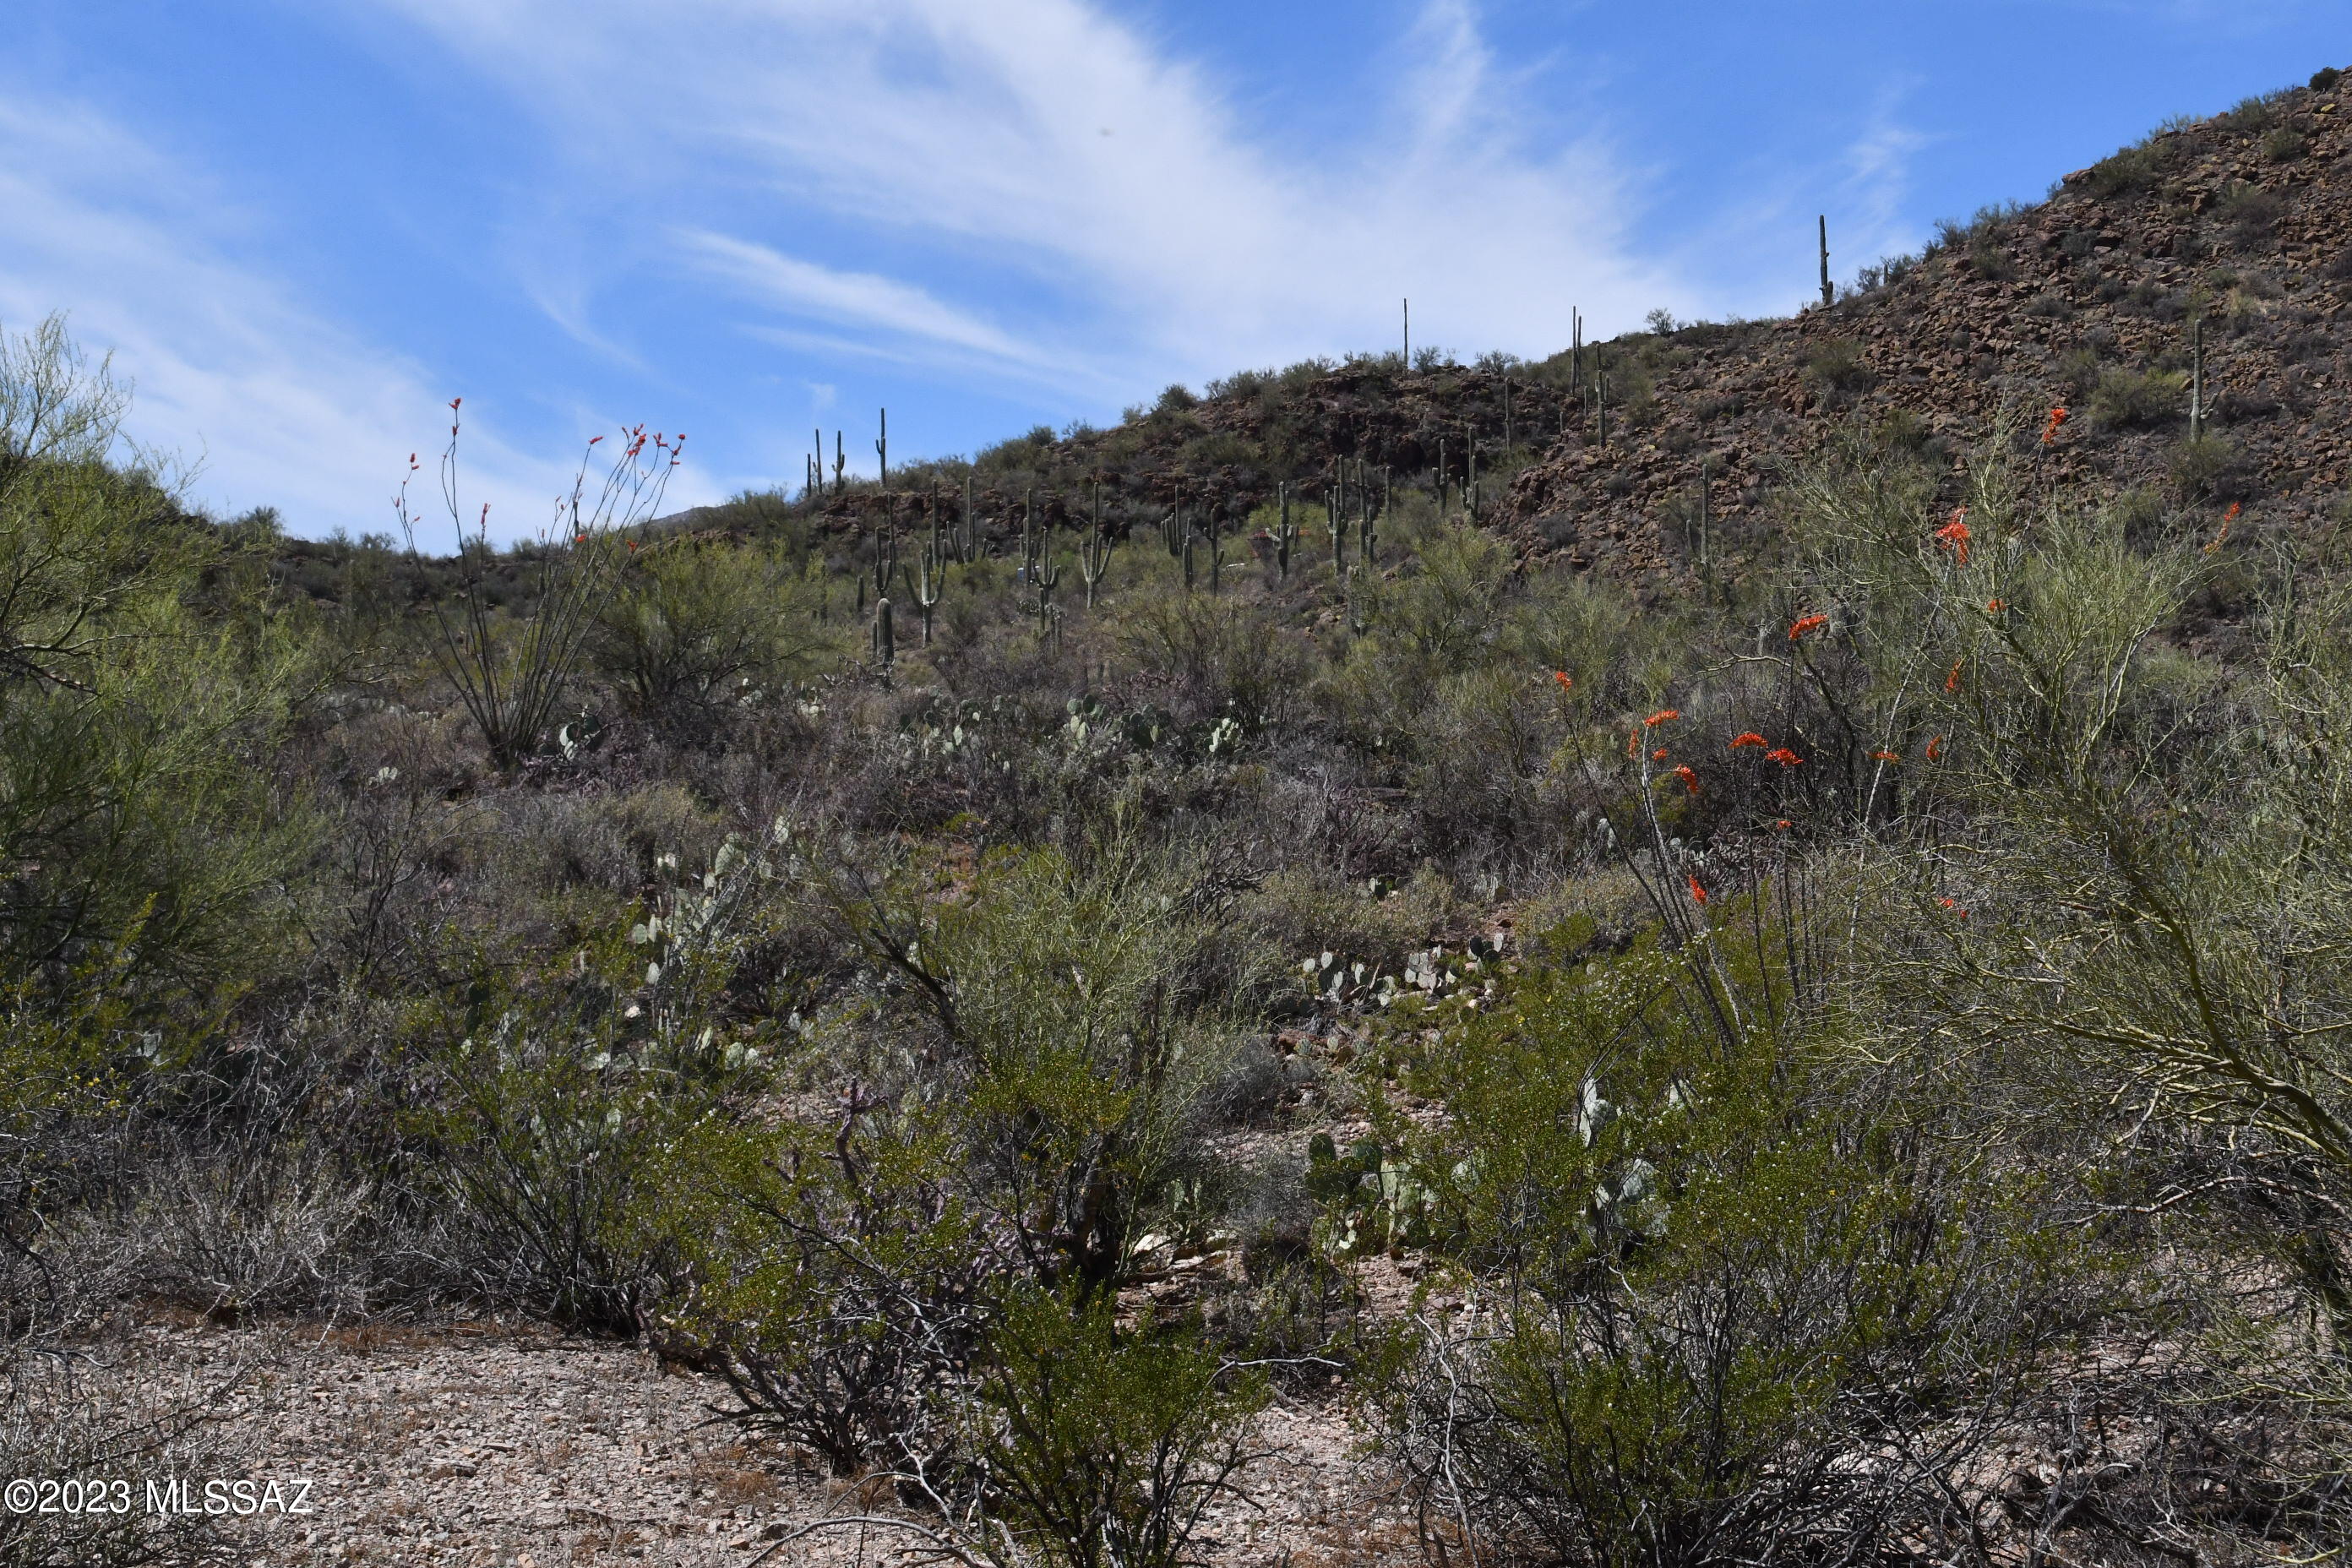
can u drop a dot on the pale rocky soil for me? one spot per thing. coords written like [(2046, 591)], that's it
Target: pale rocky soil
[(473, 1445)]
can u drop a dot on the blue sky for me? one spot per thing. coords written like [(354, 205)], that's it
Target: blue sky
[(302, 226)]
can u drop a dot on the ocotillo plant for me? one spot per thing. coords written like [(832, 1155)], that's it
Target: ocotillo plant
[(1094, 551)]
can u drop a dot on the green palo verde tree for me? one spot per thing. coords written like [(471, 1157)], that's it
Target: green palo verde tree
[(142, 678), (2152, 852)]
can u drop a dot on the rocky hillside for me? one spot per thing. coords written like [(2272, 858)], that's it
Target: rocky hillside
[(2085, 302), (2088, 301)]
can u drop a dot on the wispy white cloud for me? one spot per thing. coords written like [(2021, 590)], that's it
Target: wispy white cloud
[(277, 403), (1045, 142), (848, 299)]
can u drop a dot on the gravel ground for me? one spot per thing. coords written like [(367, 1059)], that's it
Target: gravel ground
[(476, 1443)]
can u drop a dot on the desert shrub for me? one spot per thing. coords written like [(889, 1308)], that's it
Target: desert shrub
[(2252, 213), (1730, 1315), (690, 627), (553, 1111), (2211, 468), (1444, 612), (2283, 145), (841, 1281), (1104, 1448), (1839, 368), (2127, 172), (1075, 1012), (1217, 655), (2125, 399)]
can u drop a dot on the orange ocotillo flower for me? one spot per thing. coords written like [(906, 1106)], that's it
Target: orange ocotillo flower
[(1954, 536), (2228, 518), (1995, 606), (1689, 778), (1785, 757), (1804, 624), (1659, 755), (1750, 738), (1662, 715), (2050, 431), (1698, 894), (1952, 681), (1885, 756), (1936, 749), (1566, 680)]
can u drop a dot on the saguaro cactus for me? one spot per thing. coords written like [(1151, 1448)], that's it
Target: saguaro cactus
[(882, 449), (1094, 551), (886, 642), (929, 579), (2197, 378), (1286, 534), (1829, 289), (885, 561), (1046, 573)]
